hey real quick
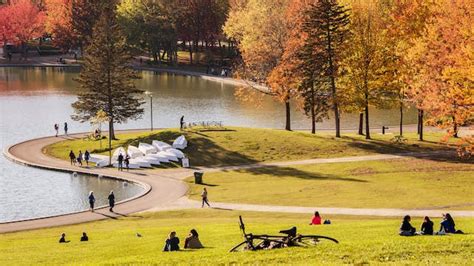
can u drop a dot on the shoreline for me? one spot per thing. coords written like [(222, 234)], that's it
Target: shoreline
[(214, 78)]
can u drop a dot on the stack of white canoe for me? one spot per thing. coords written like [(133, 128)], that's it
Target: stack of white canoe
[(145, 155)]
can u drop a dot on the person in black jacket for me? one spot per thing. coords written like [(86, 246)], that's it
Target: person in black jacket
[(427, 226), (63, 238), (111, 201), (407, 229), (84, 237), (172, 243)]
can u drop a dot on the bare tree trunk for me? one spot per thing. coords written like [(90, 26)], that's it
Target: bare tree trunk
[(288, 115), (367, 127), (455, 128), (361, 124), (420, 119), (401, 119), (418, 128)]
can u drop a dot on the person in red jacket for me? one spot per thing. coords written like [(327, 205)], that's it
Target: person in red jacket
[(316, 219)]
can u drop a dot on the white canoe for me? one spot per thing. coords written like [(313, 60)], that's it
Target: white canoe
[(160, 157), (141, 163), (170, 156), (95, 158), (151, 160), (134, 152), (160, 145), (146, 148), (176, 152), (180, 143)]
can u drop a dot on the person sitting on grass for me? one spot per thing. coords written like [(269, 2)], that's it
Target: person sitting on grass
[(427, 226), (192, 241), (448, 225), (407, 229), (172, 243), (316, 219), (63, 238), (84, 237)]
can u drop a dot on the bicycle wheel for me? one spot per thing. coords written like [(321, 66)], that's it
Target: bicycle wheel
[(311, 240), (240, 247)]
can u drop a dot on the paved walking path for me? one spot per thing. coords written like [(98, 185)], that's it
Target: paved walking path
[(164, 189)]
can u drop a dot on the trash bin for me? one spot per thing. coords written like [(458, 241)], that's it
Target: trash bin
[(198, 177)]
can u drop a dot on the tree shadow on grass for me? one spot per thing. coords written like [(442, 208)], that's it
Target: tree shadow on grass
[(444, 154), (279, 171)]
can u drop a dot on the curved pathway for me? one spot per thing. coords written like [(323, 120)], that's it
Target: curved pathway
[(164, 189)]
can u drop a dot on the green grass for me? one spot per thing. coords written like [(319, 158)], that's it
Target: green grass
[(362, 241), (236, 146), (406, 183)]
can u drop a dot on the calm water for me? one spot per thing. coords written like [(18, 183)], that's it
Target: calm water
[(32, 100)]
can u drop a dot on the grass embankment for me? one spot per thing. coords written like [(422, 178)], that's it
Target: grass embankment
[(406, 183), (235, 146), (362, 240)]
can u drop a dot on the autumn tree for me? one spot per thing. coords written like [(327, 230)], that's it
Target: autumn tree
[(85, 13), (20, 22), (443, 58), (406, 22), (369, 64), (326, 25), (150, 26), (59, 23), (106, 78), (261, 31)]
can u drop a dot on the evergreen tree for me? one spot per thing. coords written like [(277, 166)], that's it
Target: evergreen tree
[(106, 78), (326, 26)]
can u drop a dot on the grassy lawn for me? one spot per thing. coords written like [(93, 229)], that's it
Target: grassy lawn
[(235, 146), (362, 240), (404, 183)]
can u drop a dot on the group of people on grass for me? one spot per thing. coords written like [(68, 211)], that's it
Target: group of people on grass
[(84, 238), (191, 242), (171, 243), (56, 129), (79, 158), (447, 226), (110, 198)]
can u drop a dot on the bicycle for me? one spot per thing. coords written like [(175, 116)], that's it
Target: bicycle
[(290, 239)]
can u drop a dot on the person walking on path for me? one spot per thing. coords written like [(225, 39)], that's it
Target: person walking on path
[(65, 128), (91, 200), (87, 156), (111, 201), (56, 128), (204, 198), (127, 162), (181, 123), (72, 156), (120, 162), (79, 158)]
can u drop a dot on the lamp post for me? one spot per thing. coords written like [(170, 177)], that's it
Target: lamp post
[(149, 94)]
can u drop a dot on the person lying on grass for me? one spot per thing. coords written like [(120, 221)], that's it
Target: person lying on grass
[(407, 229), (172, 243)]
